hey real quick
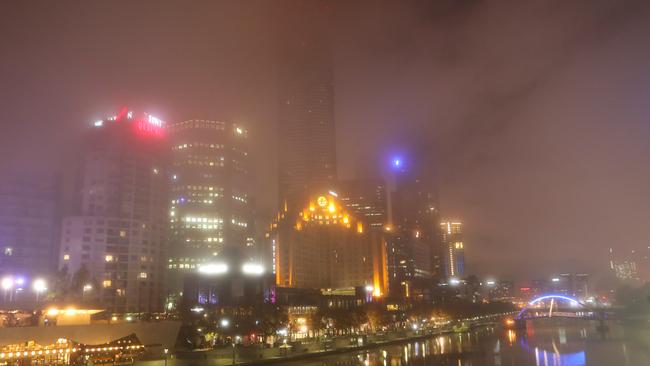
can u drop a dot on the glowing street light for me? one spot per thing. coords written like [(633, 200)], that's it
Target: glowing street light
[(39, 285), (7, 283), (224, 323)]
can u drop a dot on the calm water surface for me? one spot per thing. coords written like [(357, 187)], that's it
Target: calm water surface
[(546, 342)]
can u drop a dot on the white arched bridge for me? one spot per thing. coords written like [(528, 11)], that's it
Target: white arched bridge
[(556, 305)]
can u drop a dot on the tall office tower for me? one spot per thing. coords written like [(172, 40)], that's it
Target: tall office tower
[(307, 146), (326, 246), (452, 241), (366, 198), (414, 249), (119, 232), (209, 195), (28, 224)]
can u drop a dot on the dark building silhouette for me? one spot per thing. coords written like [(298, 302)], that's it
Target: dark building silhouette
[(307, 139), (367, 198), (414, 244), (29, 224)]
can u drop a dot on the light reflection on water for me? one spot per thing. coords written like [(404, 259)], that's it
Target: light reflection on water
[(562, 342)]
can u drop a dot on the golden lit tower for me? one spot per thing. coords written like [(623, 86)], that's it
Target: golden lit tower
[(454, 248), (326, 246)]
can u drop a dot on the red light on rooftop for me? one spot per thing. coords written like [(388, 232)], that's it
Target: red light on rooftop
[(123, 113)]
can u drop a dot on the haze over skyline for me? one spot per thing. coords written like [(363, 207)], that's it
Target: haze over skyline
[(537, 114)]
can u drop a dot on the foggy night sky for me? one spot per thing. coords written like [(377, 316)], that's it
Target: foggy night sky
[(538, 112)]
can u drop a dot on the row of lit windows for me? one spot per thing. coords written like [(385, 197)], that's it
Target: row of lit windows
[(216, 125), (239, 223), (202, 163), (217, 220), (203, 226), (240, 199), (198, 144), (201, 188)]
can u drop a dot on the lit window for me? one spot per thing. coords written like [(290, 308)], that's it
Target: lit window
[(109, 258), (143, 275), (66, 257), (9, 251), (106, 283), (122, 233)]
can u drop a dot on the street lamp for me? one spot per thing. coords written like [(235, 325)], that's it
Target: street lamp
[(39, 286), (7, 284), (166, 350)]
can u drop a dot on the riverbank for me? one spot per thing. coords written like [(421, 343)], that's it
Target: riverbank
[(302, 351)]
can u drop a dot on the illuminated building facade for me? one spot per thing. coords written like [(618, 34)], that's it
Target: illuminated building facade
[(307, 140), (365, 198), (210, 205), (454, 248), (326, 247), (28, 225), (119, 230)]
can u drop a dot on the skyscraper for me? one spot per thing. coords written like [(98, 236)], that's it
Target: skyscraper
[(414, 244), (210, 206), (366, 198), (454, 248), (307, 146), (119, 230), (28, 224)]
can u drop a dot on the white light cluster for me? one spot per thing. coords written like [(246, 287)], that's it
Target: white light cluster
[(252, 269), (213, 268)]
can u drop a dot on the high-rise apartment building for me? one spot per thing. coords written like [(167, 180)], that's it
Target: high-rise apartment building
[(28, 224), (307, 146), (118, 232), (210, 201), (327, 246), (454, 248), (365, 198)]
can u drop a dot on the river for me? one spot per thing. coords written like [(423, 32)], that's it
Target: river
[(545, 342)]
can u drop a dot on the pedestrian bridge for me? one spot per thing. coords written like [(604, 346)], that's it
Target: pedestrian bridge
[(555, 305)]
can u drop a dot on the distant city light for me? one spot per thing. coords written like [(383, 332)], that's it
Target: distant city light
[(224, 323), (196, 309), (490, 283), (555, 279), (454, 281), (397, 162), (213, 268), (369, 288)]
